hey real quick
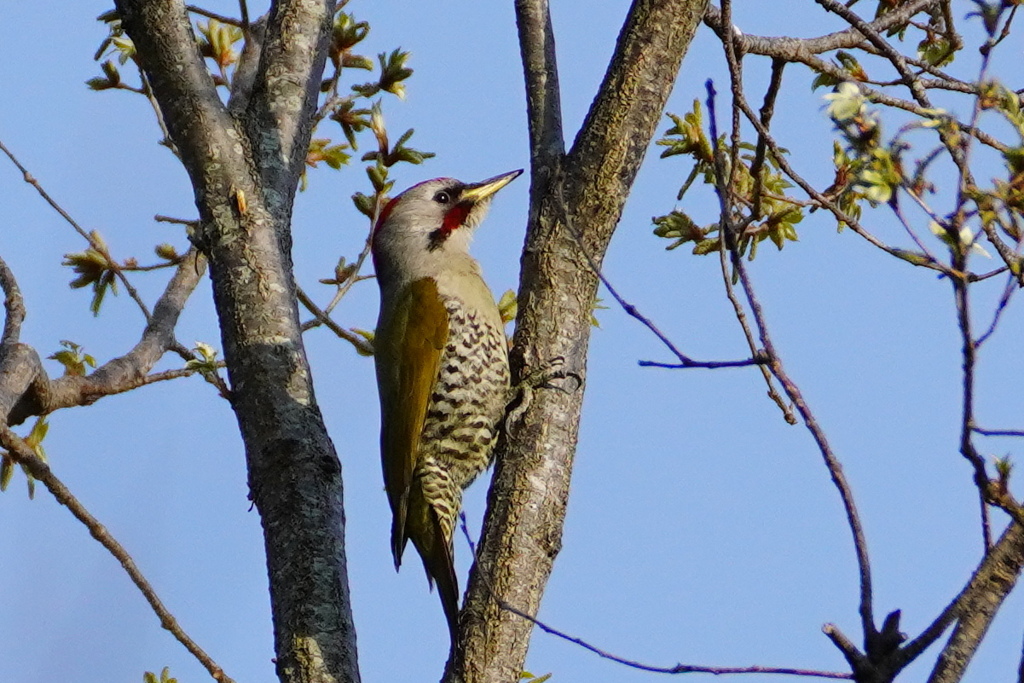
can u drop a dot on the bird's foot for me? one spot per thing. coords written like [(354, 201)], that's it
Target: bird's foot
[(543, 377)]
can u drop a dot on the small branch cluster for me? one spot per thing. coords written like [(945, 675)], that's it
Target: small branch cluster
[(752, 182)]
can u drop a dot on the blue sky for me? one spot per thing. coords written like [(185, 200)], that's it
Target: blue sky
[(701, 529)]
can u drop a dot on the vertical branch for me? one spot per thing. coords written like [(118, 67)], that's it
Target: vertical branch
[(14, 306), (540, 72), (527, 500), (244, 167), (969, 354)]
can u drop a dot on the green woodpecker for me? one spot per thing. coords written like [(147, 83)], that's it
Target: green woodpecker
[(442, 366)]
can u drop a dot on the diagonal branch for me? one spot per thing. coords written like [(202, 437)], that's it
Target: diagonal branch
[(26, 390), (1007, 553), (93, 241), (24, 455), (977, 605)]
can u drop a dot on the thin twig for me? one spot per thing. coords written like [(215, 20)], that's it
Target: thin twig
[(1004, 301), (823, 201), (685, 361), (767, 111), (354, 277), (25, 456), (676, 669), (194, 9), (998, 432), (148, 269), (147, 90), (792, 391), (187, 222), (736, 85), (93, 242), (876, 39), (361, 344)]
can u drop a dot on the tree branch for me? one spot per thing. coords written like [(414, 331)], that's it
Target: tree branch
[(634, 664), (93, 241), (244, 167), (278, 119), (23, 455), (540, 71), (26, 390), (796, 49), (526, 503), (977, 605), (835, 469), (362, 345), (14, 306)]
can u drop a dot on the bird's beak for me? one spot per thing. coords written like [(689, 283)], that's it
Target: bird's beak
[(478, 192)]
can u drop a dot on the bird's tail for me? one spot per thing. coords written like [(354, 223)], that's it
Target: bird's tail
[(441, 566), (423, 527)]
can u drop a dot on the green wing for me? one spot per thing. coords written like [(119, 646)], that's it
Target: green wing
[(409, 345)]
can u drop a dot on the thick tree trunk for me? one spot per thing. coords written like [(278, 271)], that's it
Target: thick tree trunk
[(244, 166), (576, 201)]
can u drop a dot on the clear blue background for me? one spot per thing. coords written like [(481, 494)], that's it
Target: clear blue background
[(701, 529)]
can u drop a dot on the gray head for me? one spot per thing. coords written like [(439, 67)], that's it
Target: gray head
[(429, 227)]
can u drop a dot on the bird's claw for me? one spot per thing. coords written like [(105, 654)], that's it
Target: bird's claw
[(540, 378)]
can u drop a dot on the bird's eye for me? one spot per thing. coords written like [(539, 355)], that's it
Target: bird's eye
[(442, 197)]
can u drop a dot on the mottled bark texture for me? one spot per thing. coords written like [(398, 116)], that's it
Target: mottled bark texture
[(978, 604), (244, 165), (576, 201), (27, 391)]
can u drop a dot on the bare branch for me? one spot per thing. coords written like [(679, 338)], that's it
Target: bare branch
[(882, 45), (795, 49), (540, 71), (792, 391), (1004, 301), (732, 58), (194, 9), (93, 242), (14, 306), (131, 370), (633, 664), (26, 390), (977, 605), (685, 362), (1005, 554), (24, 455), (362, 346), (998, 432)]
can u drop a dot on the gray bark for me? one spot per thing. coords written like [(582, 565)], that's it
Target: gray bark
[(576, 201), (978, 604), (244, 166)]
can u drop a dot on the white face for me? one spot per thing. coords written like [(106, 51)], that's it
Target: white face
[(426, 226)]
